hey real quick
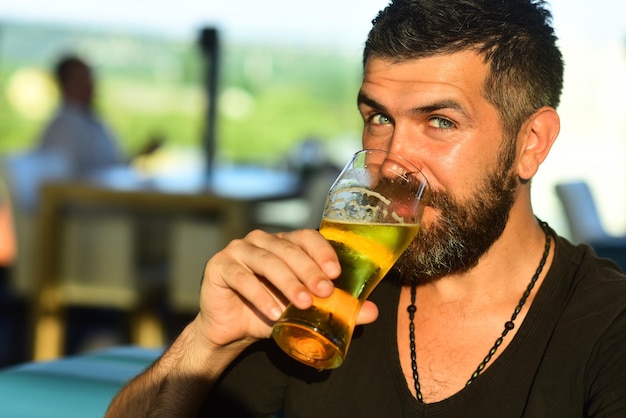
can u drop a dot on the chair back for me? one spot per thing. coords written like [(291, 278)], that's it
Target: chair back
[(94, 250), (23, 175), (581, 213)]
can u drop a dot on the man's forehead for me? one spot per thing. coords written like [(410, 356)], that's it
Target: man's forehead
[(442, 64), (460, 74)]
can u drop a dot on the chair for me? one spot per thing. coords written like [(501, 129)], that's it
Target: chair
[(585, 224), (97, 263), (193, 241)]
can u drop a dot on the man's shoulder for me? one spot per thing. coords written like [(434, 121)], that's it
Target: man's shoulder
[(584, 262), (591, 281)]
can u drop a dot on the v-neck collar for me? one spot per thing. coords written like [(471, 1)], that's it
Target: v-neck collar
[(537, 314)]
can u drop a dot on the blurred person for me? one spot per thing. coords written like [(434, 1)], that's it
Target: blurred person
[(76, 131), (7, 239), (489, 313), (90, 149)]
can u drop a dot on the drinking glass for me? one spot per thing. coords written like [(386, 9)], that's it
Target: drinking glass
[(373, 212)]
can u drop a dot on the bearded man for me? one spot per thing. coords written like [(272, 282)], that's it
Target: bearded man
[(488, 314)]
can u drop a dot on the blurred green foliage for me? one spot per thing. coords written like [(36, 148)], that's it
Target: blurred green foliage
[(270, 96)]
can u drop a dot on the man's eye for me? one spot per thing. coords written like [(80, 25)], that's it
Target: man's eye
[(440, 123), (381, 119)]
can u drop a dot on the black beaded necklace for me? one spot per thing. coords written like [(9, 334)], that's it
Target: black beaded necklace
[(508, 325)]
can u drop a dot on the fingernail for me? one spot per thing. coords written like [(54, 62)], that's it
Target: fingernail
[(332, 269), (275, 313), (325, 286), (305, 297)]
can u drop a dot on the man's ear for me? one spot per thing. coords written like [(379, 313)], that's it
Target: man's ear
[(536, 139)]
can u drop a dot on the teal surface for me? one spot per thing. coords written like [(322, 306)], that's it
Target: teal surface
[(80, 386)]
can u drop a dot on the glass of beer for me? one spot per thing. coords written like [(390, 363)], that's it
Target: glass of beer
[(373, 212)]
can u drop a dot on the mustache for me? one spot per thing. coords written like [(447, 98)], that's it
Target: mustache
[(440, 200)]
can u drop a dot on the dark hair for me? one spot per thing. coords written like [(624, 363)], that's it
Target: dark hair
[(515, 37), (65, 67)]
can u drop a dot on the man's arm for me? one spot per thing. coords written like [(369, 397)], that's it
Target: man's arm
[(245, 288), (177, 383)]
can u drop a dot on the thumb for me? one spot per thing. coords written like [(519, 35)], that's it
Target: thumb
[(368, 313)]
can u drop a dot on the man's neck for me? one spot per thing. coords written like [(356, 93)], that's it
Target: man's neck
[(502, 273), (458, 317)]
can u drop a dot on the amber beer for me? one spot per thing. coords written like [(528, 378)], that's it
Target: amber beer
[(373, 211), (320, 335)]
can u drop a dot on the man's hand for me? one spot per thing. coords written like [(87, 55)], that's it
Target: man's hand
[(247, 285)]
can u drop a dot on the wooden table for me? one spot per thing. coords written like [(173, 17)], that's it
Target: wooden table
[(230, 195)]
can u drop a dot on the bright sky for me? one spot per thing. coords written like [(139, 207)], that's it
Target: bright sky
[(344, 21)]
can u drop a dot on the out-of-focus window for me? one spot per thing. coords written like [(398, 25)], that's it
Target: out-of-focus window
[(270, 96)]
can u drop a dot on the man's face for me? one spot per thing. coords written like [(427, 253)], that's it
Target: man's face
[(433, 112), (79, 87)]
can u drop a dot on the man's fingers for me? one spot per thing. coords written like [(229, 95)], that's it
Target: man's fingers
[(368, 313), (304, 263), (269, 271)]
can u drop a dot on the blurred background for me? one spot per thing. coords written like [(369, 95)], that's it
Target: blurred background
[(288, 73)]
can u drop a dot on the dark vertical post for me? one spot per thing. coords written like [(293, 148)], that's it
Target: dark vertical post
[(210, 48)]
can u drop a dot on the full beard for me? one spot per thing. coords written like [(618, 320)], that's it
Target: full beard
[(463, 231)]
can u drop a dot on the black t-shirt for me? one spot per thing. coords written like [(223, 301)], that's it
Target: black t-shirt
[(568, 359)]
